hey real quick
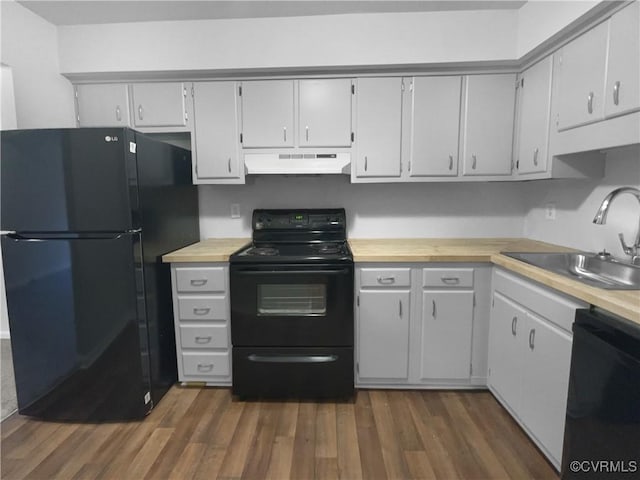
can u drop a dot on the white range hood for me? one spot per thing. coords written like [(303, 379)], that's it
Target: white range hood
[(297, 163)]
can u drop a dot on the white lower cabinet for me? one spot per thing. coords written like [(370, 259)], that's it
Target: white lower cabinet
[(529, 356), (201, 317), (419, 325)]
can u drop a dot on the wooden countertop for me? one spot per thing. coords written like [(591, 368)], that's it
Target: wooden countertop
[(209, 250), (625, 303)]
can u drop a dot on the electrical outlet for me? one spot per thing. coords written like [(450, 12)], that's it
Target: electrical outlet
[(550, 211), (235, 210)]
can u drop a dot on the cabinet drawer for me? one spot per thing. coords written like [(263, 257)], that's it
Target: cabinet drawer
[(200, 279), (447, 277), (202, 308), (385, 277), (205, 364), (204, 336)]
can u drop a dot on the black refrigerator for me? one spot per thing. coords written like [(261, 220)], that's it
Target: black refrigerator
[(86, 215)]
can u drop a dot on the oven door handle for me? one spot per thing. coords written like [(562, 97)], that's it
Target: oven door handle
[(248, 271), (292, 358)]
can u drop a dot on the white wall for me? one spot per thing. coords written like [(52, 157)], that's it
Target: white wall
[(29, 45), (373, 210), (540, 19), (290, 42), (577, 202)]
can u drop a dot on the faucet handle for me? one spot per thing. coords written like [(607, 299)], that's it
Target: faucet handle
[(628, 250)]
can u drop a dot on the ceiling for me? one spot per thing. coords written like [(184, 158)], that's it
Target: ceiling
[(79, 12)]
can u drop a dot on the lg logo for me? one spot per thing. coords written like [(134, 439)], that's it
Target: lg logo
[(110, 139)]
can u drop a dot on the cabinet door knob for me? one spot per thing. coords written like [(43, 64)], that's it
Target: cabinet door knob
[(616, 93), (590, 102), (475, 161)]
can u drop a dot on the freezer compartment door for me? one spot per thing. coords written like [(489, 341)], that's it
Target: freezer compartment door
[(78, 327), (68, 180)]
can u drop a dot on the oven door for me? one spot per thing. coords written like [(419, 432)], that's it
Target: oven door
[(291, 305)]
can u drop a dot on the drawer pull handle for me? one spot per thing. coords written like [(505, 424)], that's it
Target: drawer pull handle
[(201, 311), (140, 112), (400, 306), (118, 114), (616, 93), (203, 340), (475, 161), (450, 162), (514, 324), (205, 367), (450, 280), (532, 337), (535, 157), (590, 102), (198, 282), (229, 165), (386, 280), (433, 310), (292, 358)]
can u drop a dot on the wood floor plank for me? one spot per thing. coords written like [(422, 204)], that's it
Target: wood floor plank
[(326, 437), (304, 448), (371, 461), (204, 433), (349, 466), (394, 463)]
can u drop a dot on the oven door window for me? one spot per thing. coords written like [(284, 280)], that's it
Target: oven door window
[(292, 300)]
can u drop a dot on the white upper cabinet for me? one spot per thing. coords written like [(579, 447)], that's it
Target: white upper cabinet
[(435, 126), (534, 90), (379, 124), (159, 104), (216, 133), (488, 124), (622, 93), (324, 113), (267, 114), (103, 105), (582, 73)]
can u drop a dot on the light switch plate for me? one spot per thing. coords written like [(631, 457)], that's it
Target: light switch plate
[(550, 211), (235, 210)]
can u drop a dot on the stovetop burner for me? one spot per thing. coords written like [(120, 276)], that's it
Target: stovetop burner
[(297, 236)]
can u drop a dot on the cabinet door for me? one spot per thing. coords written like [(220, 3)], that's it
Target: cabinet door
[(435, 126), (447, 319), (159, 104), (378, 135), (622, 93), (103, 105), (534, 114), (581, 77), (267, 114), (325, 113), (383, 334), (216, 131), (545, 374), (488, 124), (507, 327)]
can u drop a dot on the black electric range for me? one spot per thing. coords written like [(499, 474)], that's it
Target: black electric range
[(292, 306)]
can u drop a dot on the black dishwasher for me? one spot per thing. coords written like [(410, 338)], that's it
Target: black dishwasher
[(602, 432)]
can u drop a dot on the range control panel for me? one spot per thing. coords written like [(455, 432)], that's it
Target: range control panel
[(320, 219)]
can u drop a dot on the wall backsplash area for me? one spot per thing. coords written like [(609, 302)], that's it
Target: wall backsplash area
[(373, 210), (576, 203)]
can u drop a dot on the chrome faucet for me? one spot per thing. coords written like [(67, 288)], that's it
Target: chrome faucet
[(601, 219)]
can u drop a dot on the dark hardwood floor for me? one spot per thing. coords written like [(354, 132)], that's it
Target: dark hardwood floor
[(203, 433)]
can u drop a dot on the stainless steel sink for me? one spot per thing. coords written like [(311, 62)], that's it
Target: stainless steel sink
[(587, 268)]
